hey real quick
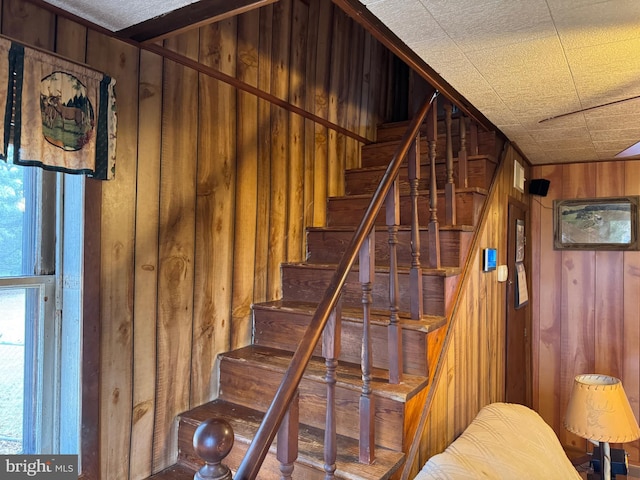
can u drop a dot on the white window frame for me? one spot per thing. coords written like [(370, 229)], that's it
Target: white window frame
[(52, 413)]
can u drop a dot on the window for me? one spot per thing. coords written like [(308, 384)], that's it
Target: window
[(40, 310)]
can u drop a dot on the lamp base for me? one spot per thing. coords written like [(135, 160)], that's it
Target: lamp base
[(618, 462)]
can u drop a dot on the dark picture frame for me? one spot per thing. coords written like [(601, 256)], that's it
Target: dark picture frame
[(608, 223)]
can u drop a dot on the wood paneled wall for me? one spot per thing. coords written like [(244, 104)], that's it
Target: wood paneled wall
[(585, 303), (471, 370), (213, 191)]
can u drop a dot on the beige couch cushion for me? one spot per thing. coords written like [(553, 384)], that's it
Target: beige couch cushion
[(504, 441)]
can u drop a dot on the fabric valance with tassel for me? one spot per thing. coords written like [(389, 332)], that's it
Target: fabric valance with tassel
[(59, 115)]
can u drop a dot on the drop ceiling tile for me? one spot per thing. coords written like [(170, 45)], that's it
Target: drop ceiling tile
[(551, 144), (412, 23), (561, 134), (604, 73), (509, 59), (477, 25), (572, 155), (444, 56), (612, 113), (534, 122), (563, 6), (608, 150), (624, 135), (594, 23), (538, 108), (536, 67)]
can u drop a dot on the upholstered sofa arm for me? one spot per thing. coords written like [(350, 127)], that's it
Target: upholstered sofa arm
[(504, 441)]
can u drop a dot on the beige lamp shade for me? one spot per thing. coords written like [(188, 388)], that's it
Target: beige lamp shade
[(599, 410)]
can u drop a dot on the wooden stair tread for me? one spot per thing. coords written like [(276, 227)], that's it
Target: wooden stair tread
[(245, 423), (427, 324), (437, 272), (348, 375)]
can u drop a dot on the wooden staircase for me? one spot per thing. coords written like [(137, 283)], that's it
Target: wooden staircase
[(249, 377)]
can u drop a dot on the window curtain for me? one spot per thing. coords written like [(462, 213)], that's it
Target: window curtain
[(59, 115)]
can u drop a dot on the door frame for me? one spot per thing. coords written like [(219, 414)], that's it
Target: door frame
[(510, 294)]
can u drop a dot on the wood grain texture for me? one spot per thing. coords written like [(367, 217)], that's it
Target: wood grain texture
[(630, 374), (584, 302), (146, 264), (215, 208), (296, 161), (244, 253), (321, 105), (160, 328), (578, 287), (547, 319), (311, 42), (176, 249), (609, 304), (28, 23), (279, 147), (335, 163), (263, 196), (118, 236)]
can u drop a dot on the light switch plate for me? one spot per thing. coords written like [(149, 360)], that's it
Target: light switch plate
[(503, 273)]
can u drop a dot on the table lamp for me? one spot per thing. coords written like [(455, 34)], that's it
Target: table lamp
[(599, 411)]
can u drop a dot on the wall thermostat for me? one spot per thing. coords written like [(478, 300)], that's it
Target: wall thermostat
[(489, 259)]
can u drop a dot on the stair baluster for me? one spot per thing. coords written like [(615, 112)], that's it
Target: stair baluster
[(434, 229), (366, 406), (463, 173), (212, 441), (287, 440), (415, 280), (331, 351), (473, 139), (450, 187), (395, 332), (327, 316)]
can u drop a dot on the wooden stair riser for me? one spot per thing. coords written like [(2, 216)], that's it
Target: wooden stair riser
[(254, 386), (270, 469), (347, 211), (487, 141), (308, 284), (284, 329), (365, 180), (328, 246), (310, 462)]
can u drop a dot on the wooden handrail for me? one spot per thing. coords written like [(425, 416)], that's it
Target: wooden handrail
[(259, 447)]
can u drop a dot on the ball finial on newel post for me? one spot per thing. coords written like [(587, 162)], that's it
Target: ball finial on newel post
[(212, 441)]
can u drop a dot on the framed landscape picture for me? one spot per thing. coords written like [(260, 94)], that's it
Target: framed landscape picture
[(596, 223)]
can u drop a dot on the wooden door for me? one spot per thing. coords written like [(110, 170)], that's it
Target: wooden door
[(518, 338)]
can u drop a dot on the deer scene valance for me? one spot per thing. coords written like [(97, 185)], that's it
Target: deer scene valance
[(59, 115)]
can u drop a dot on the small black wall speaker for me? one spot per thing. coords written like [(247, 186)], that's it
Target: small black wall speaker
[(539, 186)]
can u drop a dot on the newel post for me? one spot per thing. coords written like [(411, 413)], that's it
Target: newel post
[(212, 441)]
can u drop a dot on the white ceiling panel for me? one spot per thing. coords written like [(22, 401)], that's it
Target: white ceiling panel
[(520, 62)]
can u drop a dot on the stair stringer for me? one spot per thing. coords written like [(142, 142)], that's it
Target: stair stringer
[(441, 340)]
